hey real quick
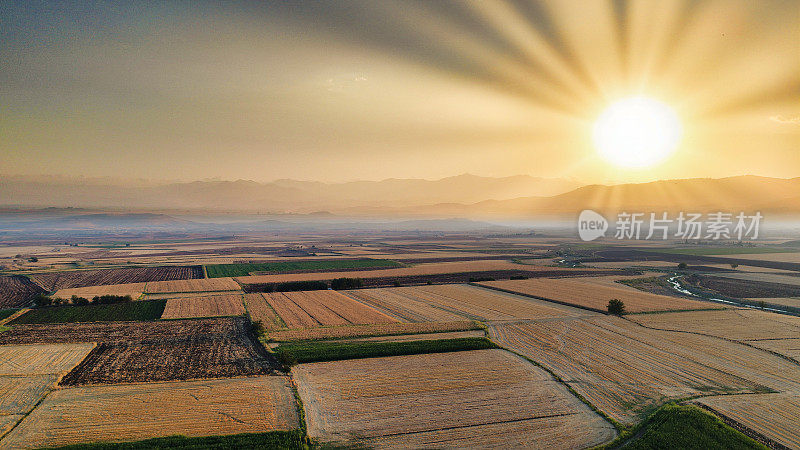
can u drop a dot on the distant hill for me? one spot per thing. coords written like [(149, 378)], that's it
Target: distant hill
[(744, 193), (277, 197)]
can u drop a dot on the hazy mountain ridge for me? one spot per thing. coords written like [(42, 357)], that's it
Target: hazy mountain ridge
[(275, 197)]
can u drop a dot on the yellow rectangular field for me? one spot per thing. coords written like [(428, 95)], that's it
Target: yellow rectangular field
[(595, 294), (451, 302), (197, 285), (38, 359), (480, 398), (131, 412), (383, 329), (133, 289), (208, 306), (320, 308)]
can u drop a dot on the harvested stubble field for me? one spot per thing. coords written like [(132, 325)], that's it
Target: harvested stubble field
[(148, 351), (135, 290), (17, 291), (594, 296), (626, 370), (305, 309), (769, 331), (384, 329), (133, 412), (41, 359), (259, 310), (20, 393), (200, 285), (54, 281), (209, 306), (480, 398), (774, 416), (442, 303)]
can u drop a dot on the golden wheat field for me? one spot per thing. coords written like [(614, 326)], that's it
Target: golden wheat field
[(129, 412), (196, 285), (259, 310), (207, 306), (480, 398), (440, 303), (625, 369), (383, 329), (419, 269), (307, 309), (135, 290), (583, 292), (741, 324), (41, 358), (19, 394), (772, 415)]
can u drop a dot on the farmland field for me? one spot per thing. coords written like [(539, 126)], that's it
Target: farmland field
[(765, 277), (208, 306), (385, 329), (445, 303), (305, 309), (238, 270), (135, 290), (259, 310), (54, 281), (481, 398), (17, 291), (626, 370), (769, 331), (194, 285), (131, 412), (146, 310), (771, 415), (587, 294), (41, 359), (155, 351)]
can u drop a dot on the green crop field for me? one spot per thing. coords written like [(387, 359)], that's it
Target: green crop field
[(6, 312), (290, 354), (240, 270), (679, 426), (128, 311)]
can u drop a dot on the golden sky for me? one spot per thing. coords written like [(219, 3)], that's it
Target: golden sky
[(368, 89)]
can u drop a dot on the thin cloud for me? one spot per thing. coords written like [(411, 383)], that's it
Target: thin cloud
[(786, 119)]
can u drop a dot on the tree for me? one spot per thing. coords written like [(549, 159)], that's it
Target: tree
[(734, 266), (616, 307), (682, 266)]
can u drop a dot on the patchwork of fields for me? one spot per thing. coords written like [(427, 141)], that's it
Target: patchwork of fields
[(139, 411), (480, 398)]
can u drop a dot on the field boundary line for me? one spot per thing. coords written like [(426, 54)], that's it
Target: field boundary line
[(734, 341), (617, 425), (507, 291)]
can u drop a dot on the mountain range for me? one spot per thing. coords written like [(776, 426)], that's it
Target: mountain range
[(466, 196)]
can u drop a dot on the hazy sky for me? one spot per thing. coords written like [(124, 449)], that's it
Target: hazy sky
[(376, 88)]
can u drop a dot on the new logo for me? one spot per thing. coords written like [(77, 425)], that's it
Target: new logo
[(591, 225)]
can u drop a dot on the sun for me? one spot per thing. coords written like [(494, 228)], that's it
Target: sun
[(637, 132)]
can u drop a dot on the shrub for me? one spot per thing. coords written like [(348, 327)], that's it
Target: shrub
[(258, 328), (616, 307), (396, 283), (682, 266), (79, 300), (346, 283), (42, 300)]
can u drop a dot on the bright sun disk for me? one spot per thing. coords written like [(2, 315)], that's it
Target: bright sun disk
[(637, 132)]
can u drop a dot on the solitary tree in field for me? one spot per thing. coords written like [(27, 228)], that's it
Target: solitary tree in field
[(734, 266), (682, 266), (616, 307)]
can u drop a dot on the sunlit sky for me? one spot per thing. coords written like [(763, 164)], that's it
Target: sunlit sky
[(347, 90)]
